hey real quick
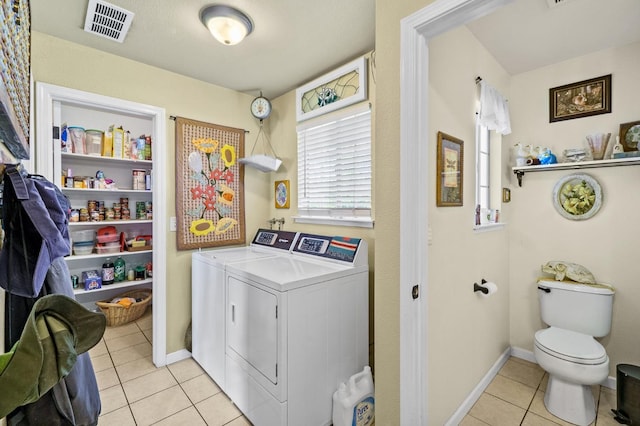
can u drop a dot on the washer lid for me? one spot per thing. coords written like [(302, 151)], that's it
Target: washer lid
[(570, 346)]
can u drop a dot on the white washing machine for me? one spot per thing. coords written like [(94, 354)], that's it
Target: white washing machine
[(296, 327), (208, 295)]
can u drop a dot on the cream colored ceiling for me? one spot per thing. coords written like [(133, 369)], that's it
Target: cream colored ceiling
[(528, 34), (295, 41)]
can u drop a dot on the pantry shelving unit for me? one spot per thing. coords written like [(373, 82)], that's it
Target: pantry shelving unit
[(57, 105)]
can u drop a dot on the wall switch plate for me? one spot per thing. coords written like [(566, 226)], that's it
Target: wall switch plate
[(173, 227)]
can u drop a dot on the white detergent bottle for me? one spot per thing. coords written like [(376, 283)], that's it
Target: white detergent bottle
[(353, 402)]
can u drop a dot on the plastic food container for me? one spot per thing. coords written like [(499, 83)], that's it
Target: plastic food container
[(82, 249), (109, 248), (108, 234), (94, 142), (87, 235), (78, 137)]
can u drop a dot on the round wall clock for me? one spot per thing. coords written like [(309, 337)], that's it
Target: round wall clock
[(577, 196), (261, 107)]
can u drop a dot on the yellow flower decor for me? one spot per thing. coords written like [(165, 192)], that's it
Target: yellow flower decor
[(211, 179), (202, 227), (206, 145), (228, 154), (579, 198)]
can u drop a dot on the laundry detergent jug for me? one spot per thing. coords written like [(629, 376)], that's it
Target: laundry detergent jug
[(353, 402)]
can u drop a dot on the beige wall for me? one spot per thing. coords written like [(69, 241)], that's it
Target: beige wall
[(607, 243), (387, 176), (467, 333), (67, 64)]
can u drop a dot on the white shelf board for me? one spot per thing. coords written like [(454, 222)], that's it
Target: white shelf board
[(103, 255), (124, 284), (614, 162)]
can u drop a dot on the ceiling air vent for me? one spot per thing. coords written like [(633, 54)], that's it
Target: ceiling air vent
[(106, 20)]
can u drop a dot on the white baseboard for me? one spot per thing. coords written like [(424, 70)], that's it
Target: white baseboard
[(523, 354), (178, 356), (463, 409), (477, 391)]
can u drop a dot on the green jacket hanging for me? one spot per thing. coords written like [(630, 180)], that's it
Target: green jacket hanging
[(57, 331)]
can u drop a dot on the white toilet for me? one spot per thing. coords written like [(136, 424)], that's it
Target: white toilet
[(567, 350)]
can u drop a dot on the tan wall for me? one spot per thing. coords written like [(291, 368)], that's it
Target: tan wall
[(57, 62), (607, 243), (458, 318)]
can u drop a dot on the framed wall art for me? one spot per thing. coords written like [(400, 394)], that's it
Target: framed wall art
[(282, 194), (449, 167), (630, 136), (580, 99), (209, 185)]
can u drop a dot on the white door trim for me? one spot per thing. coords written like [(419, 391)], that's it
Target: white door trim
[(46, 94), (415, 169)]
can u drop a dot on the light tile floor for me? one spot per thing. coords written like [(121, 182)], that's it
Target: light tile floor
[(134, 392), (516, 397)]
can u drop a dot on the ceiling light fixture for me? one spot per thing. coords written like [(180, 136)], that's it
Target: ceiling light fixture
[(228, 25)]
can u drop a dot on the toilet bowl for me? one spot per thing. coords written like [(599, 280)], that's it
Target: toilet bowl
[(575, 362), (567, 350)]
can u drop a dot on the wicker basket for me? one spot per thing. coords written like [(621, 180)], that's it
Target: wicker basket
[(119, 315)]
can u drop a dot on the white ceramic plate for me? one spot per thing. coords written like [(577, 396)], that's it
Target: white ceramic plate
[(577, 196)]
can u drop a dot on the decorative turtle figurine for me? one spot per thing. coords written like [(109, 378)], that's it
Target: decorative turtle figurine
[(572, 271)]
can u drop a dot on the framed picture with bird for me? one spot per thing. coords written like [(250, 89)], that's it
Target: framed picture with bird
[(449, 179)]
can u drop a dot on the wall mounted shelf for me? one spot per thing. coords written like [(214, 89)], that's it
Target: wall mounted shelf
[(615, 162)]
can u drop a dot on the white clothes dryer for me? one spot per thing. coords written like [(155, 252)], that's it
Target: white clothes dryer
[(208, 295), (297, 326)]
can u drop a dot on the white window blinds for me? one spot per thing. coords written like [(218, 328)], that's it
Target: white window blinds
[(334, 165)]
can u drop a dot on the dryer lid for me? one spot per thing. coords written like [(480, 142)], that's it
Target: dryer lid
[(571, 346)]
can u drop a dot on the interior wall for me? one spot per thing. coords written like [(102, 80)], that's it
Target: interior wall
[(281, 128), (67, 64), (387, 177), (604, 244), (458, 318)]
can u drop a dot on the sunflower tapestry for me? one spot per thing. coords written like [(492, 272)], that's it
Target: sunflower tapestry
[(209, 185)]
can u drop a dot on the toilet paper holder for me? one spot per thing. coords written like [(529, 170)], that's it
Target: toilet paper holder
[(478, 287)]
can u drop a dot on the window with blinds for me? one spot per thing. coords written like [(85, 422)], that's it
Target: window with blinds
[(334, 166)]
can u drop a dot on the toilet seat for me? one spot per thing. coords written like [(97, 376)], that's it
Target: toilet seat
[(570, 346)]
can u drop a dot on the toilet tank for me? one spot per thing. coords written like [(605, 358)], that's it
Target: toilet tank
[(577, 307)]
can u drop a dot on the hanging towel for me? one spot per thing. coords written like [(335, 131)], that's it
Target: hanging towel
[(57, 331), (494, 110)]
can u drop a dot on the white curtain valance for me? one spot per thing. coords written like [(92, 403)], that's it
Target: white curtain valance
[(494, 110)]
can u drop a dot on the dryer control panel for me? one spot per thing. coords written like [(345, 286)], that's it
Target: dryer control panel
[(283, 240), (343, 249)]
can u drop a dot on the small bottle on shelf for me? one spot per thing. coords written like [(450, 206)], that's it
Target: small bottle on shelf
[(120, 269), (108, 272)]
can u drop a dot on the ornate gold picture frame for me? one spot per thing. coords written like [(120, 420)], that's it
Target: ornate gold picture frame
[(282, 194), (449, 168)]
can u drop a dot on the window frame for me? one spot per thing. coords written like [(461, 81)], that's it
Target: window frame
[(356, 217)]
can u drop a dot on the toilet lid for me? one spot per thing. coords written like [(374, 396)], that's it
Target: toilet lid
[(570, 346)]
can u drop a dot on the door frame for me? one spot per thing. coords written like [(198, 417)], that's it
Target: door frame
[(415, 32), (46, 95)]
